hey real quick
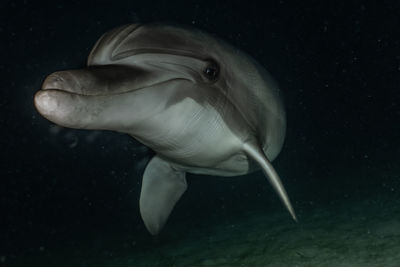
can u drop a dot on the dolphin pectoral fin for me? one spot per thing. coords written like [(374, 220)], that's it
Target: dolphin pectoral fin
[(253, 150), (162, 187)]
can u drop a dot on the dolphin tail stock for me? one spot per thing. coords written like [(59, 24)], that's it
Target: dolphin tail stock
[(162, 187), (253, 150)]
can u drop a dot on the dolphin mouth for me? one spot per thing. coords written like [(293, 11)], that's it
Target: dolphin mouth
[(92, 81), (107, 80)]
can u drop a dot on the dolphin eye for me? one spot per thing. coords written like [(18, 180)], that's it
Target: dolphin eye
[(211, 72)]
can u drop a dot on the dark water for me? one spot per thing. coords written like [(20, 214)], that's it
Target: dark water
[(70, 197)]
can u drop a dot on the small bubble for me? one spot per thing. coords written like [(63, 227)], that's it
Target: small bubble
[(55, 129)]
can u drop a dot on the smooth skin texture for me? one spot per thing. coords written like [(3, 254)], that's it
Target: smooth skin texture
[(203, 106)]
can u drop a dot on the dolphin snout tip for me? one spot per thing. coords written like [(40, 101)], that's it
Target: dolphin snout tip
[(44, 102)]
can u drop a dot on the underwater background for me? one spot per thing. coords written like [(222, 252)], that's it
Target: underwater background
[(70, 197)]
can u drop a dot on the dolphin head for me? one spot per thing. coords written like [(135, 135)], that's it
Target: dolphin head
[(136, 71), (135, 66)]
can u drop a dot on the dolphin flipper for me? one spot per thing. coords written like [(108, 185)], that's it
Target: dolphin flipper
[(254, 151), (162, 187)]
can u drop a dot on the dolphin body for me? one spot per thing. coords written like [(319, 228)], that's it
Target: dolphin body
[(203, 106)]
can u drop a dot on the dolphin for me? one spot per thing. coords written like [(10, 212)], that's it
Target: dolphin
[(200, 104)]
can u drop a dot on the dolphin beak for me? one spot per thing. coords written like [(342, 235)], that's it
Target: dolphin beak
[(94, 81), (66, 97), (91, 99)]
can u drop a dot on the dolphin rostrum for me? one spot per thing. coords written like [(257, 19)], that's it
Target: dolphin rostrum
[(203, 106)]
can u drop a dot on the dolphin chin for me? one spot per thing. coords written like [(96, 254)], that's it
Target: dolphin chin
[(45, 102), (200, 104), (57, 106)]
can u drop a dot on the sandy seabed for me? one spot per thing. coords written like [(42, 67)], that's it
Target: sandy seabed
[(350, 233)]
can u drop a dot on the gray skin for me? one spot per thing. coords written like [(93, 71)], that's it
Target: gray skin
[(203, 106)]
